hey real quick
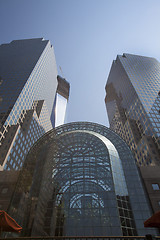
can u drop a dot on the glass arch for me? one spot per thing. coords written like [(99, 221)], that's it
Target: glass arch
[(84, 178)]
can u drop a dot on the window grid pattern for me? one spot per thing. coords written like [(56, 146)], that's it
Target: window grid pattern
[(135, 85), (33, 87), (81, 183)]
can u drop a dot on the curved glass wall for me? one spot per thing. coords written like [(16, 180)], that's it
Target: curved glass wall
[(76, 181)]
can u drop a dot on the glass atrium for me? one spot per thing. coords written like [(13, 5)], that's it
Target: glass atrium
[(80, 179)]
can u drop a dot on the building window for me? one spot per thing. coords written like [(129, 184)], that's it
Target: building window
[(1, 81), (4, 190), (155, 186)]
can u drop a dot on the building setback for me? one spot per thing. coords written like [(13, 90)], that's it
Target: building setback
[(133, 107), (80, 179), (28, 93)]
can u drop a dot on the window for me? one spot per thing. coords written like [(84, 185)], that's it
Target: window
[(1, 80), (155, 186), (4, 190)]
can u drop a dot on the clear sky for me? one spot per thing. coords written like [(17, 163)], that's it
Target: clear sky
[(87, 35)]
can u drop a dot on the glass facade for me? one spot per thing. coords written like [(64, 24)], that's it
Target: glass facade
[(132, 102), (60, 110), (80, 179), (28, 85), (60, 104)]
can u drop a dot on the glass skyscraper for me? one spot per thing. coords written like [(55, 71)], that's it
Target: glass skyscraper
[(80, 179), (28, 90), (133, 105)]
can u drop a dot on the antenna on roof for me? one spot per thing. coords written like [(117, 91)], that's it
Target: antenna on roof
[(61, 71)]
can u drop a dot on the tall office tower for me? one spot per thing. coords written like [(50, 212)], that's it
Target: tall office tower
[(133, 107), (60, 104), (80, 179), (28, 89)]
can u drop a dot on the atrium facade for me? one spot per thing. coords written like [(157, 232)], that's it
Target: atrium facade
[(80, 179), (28, 93)]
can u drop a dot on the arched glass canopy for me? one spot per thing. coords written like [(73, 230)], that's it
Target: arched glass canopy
[(76, 182)]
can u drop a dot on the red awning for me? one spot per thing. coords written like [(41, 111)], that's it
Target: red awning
[(153, 221), (8, 224)]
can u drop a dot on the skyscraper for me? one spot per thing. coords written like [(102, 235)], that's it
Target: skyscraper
[(133, 106), (80, 179), (28, 89), (60, 104)]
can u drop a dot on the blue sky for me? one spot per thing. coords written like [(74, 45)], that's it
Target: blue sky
[(87, 35)]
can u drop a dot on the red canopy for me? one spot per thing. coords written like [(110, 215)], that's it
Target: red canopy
[(8, 224), (153, 221)]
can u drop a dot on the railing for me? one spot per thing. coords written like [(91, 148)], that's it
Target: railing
[(147, 237)]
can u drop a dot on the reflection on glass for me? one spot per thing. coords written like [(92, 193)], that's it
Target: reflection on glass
[(60, 110)]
